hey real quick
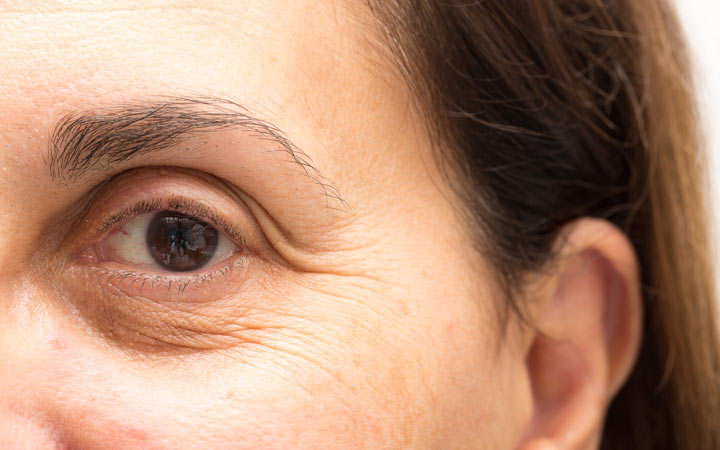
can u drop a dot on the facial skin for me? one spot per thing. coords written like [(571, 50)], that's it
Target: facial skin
[(365, 321)]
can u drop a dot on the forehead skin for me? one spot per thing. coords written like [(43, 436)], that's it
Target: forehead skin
[(388, 342)]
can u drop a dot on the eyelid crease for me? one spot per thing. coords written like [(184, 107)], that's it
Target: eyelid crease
[(109, 135)]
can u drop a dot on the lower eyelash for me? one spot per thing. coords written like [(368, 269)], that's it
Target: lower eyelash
[(124, 280)]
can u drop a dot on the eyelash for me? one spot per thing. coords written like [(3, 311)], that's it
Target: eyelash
[(180, 283), (180, 204), (125, 281)]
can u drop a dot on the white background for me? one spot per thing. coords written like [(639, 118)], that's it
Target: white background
[(701, 19)]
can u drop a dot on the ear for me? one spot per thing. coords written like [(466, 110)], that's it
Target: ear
[(587, 324)]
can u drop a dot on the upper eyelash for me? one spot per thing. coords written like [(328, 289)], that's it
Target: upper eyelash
[(202, 211), (173, 203), (140, 207)]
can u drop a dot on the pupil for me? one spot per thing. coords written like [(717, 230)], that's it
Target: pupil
[(179, 242)]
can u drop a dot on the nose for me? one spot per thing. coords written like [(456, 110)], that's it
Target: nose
[(26, 396), (25, 331), (27, 431)]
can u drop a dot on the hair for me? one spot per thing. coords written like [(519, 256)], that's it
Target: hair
[(552, 110)]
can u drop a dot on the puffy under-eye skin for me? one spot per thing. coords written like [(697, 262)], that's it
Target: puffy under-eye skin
[(124, 295)]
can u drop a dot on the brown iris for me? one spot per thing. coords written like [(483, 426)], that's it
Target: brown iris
[(181, 243)]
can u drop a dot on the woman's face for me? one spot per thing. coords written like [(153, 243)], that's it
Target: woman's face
[(322, 291)]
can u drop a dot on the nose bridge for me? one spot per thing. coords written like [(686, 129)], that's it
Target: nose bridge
[(14, 265), (27, 330), (19, 212), (13, 247), (25, 184), (25, 209), (15, 270), (24, 324)]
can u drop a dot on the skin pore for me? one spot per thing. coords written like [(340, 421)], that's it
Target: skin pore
[(355, 312)]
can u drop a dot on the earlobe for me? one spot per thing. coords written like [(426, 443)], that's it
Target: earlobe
[(587, 327)]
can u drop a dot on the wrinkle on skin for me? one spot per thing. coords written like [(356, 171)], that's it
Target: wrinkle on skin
[(343, 344)]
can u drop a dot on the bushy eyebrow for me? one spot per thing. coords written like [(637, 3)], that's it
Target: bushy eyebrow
[(102, 138)]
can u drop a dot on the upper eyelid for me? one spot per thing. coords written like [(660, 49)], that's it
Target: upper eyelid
[(211, 199), (105, 193), (141, 207), (114, 134), (175, 203)]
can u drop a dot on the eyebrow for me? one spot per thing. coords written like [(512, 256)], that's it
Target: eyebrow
[(105, 137)]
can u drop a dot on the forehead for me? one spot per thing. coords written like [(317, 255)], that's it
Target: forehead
[(305, 66), (267, 55), (104, 40)]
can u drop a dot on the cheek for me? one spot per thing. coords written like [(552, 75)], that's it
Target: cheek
[(408, 375), (83, 398)]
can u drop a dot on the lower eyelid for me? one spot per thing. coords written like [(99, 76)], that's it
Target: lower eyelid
[(214, 284), (149, 326)]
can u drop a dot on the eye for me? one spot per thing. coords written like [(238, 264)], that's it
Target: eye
[(167, 240)]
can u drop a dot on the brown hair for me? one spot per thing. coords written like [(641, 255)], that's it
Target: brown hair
[(551, 110)]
